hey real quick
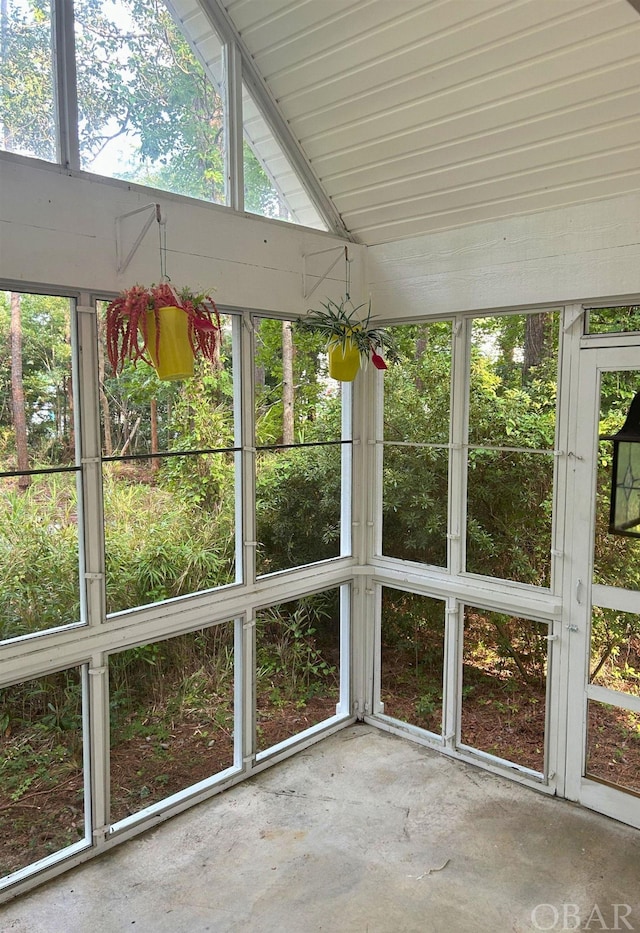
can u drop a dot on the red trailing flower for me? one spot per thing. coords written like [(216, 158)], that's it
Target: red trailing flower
[(127, 331)]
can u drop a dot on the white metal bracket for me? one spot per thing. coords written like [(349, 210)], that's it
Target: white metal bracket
[(155, 215), (341, 251)]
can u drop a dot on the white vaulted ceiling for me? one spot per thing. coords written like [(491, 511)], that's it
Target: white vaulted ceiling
[(424, 115)]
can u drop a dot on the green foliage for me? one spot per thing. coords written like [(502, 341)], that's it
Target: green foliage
[(140, 87), (46, 362), (201, 419), (512, 404), (159, 545), (415, 480), (137, 74), (293, 649), (412, 658), (509, 516), (186, 678), (27, 108), (415, 484), (616, 558), (313, 406), (41, 764), (508, 650), (260, 196), (615, 650), (298, 489), (625, 319), (50, 704), (38, 556), (298, 507)]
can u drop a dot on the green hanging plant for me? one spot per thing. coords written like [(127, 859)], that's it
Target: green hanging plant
[(345, 328)]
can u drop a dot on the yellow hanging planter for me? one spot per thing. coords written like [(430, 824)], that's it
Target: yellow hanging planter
[(350, 340), (344, 359), (174, 360)]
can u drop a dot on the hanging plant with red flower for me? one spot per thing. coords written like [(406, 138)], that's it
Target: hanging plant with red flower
[(135, 317), (351, 339)]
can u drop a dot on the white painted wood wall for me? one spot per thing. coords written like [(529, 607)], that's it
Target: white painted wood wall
[(582, 254), (59, 229)]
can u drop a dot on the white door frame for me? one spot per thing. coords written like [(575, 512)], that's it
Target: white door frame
[(595, 356)]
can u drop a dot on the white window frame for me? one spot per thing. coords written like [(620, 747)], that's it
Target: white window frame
[(89, 643)]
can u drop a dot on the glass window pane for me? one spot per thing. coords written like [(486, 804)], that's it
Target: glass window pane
[(300, 461), (414, 522), (39, 564), (619, 320), (615, 650), (412, 659), (417, 403), (271, 186), (616, 558), (37, 411), (295, 401), (39, 554), (510, 497), (170, 521), (169, 527), (27, 107), (417, 388), (512, 396), (504, 679), (298, 666), (142, 414), (298, 512), (613, 746), (172, 716), (41, 769), (148, 111)]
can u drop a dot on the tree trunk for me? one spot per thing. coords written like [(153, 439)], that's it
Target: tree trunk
[(17, 391), (287, 382), (155, 463), (70, 427), (258, 371), (534, 338), (422, 345), (128, 441), (70, 421)]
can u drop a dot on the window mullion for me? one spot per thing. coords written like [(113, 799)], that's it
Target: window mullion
[(248, 451), (234, 127), (459, 430), (239, 368), (91, 517), (66, 91)]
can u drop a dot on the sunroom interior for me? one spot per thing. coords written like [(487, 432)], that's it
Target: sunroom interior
[(202, 578)]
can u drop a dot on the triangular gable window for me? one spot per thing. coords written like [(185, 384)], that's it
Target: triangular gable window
[(144, 99), (271, 186)]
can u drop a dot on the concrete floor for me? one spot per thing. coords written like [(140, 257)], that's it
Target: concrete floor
[(363, 833)]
